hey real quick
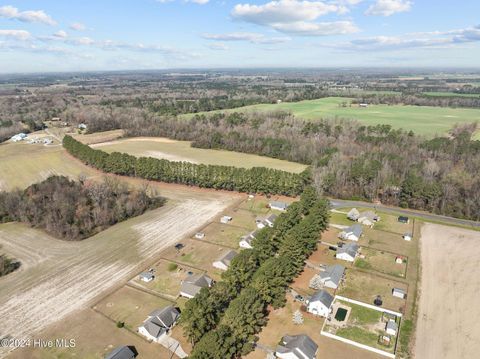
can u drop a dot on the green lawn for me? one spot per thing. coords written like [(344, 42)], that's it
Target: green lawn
[(450, 94), (424, 120), (362, 315)]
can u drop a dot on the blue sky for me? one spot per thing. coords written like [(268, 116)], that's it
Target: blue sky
[(37, 36)]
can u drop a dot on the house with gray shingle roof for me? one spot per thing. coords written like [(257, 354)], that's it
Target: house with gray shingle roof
[(224, 261), (348, 252), (368, 218), (352, 233), (278, 205), (296, 347), (353, 214), (319, 303), (331, 276), (391, 327), (121, 353), (159, 322), (194, 283)]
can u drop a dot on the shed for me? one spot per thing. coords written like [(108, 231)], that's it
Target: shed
[(407, 236), (391, 327), (399, 293), (403, 219), (146, 276), (225, 219)]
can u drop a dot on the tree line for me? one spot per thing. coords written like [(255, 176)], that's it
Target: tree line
[(73, 210), (7, 265), (222, 321), (257, 179)]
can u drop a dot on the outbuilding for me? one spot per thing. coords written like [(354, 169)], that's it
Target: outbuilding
[(399, 293)]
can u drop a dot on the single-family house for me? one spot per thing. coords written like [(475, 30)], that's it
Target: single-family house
[(260, 223), (352, 233), (296, 347), (224, 261), (403, 219), (246, 241), (194, 283), (225, 219), (146, 277), (270, 220), (353, 214), (331, 276), (407, 236), (319, 303), (158, 323), (121, 353), (348, 252), (368, 218), (391, 328), (399, 293), (279, 206)]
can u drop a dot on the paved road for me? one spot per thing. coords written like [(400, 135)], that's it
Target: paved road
[(336, 203)]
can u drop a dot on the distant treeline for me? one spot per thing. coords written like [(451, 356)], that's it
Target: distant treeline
[(222, 321), (257, 179), (74, 210)]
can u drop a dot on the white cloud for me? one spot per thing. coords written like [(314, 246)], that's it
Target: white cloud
[(60, 34), (297, 17), (21, 35), (218, 46), (388, 7), (77, 26), (252, 37), (10, 12)]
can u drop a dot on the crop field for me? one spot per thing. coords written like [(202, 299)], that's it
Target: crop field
[(423, 120), (181, 151)]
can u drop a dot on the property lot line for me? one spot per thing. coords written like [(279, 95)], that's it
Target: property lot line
[(396, 254), (213, 243), (167, 297)]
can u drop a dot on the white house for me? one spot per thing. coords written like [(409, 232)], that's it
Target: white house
[(368, 218), (158, 323), (194, 283), (319, 303), (296, 347), (19, 137), (246, 241), (391, 327), (399, 293), (407, 236), (270, 220), (225, 219), (146, 276), (348, 252), (224, 261), (331, 276), (352, 233), (353, 214), (279, 206)]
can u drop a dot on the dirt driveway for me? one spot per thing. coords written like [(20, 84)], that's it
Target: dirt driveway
[(448, 318), (60, 277)]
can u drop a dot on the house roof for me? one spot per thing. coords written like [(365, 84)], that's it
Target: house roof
[(301, 345), (121, 353), (398, 290), (194, 283), (271, 218), (333, 273), (147, 275), (353, 214), (166, 317), (248, 238), (154, 327), (349, 248), (356, 229), (227, 257), (278, 204), (391, 324), (322, 296), (369, 214)]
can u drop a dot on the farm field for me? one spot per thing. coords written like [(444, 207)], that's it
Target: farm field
[(62, 277), (447, 325), (423, 120), (181, 151)]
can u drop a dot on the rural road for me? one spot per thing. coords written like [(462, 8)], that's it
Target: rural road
[(337, 203)]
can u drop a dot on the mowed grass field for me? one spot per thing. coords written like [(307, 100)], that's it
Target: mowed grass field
[(423, 120), (181, 151)]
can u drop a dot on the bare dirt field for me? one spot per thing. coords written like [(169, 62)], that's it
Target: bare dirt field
[(448, 325), (59, 277)]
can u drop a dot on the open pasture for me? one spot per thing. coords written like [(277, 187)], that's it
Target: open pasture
[(423, 120), (182, 151)]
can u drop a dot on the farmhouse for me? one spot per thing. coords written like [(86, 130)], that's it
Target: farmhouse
[(348, 252), (279, 206), (296, 347), (352, 233), (403, 219), (391, 327), (225, 219), (224, 261), (121, 353), (194, 283), (368, 218), (146, 277), (399, 293), (331, 277), (407, 236), (353, 214), (158, 323), (319, 303)]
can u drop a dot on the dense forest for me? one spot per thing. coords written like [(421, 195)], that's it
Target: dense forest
[(74, 210), (222, 321), (257, 179)]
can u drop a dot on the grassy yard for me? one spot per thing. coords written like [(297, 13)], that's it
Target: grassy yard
[(424, 120), (224, 234), (383, 262), (181, 151)]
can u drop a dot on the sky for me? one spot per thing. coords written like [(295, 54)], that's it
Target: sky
[(88, 35)]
